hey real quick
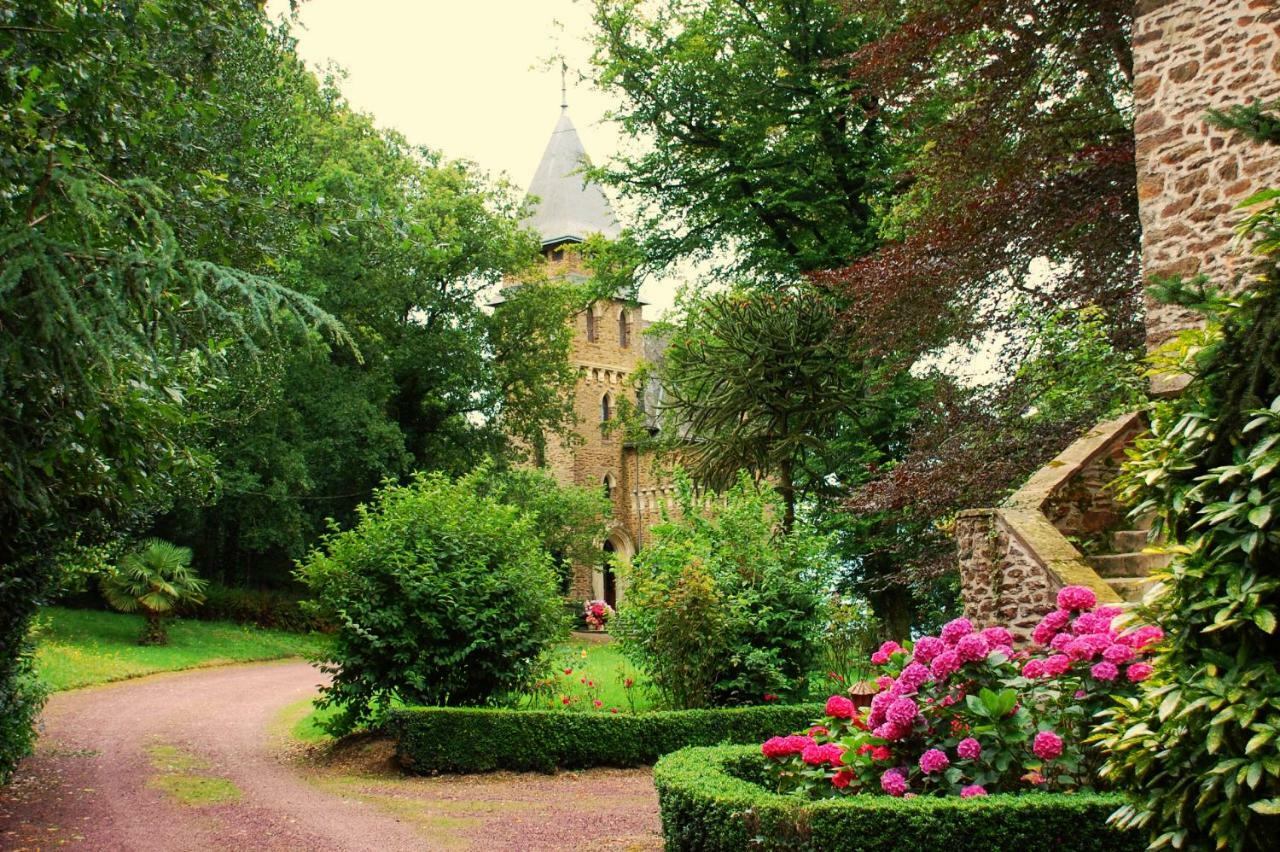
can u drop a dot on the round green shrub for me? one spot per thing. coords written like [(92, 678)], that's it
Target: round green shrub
[(438, 595)]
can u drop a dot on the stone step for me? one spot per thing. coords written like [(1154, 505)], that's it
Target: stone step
[(1130, 588), (1129, 541), (1128, 564)]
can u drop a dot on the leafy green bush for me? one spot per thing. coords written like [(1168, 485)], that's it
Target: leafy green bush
[(447, 739), (722, 607), (712, 799), (438, 596), (21, 697), (1199, 744)]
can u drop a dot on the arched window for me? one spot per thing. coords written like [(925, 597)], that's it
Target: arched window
[(623, 328), (591, 324), (604, 408), (608, 487)]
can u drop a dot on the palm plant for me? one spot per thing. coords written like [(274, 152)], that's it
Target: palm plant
[(153, 581)]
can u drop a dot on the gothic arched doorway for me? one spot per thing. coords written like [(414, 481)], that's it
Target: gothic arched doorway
[(609, 592)]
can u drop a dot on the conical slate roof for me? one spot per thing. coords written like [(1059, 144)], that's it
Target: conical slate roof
[(569, 207)]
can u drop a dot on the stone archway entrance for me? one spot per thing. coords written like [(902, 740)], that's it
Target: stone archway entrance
[(604, 580)]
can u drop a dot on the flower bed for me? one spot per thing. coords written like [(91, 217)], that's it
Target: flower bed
[(715, 799), (964, 714), (461, 739)]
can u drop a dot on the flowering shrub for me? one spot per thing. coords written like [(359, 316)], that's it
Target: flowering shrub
[(964, 714), (596, 614)]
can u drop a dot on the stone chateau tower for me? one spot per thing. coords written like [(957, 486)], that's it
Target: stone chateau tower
[(608, 345)]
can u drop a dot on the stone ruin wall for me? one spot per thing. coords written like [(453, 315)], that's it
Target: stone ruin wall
[(1001, 581), (1190, 56)]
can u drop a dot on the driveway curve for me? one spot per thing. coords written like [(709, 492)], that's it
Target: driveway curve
[(195, 761)]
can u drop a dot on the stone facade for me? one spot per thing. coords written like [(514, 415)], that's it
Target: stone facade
[(608, 346), (1190, 56)]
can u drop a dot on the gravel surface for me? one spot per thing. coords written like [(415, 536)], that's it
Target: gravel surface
[(196, 761)]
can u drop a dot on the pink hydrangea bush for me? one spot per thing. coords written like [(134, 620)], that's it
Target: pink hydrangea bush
[(965, 714)]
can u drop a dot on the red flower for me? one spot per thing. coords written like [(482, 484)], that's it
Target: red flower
[(769, 696), (568, 671)]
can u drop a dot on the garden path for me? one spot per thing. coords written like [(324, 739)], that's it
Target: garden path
[(200, 761)]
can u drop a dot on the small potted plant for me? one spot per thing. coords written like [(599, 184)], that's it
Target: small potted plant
[(596, 614)]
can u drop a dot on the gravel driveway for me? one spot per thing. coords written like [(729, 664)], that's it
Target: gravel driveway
[(195, 761)]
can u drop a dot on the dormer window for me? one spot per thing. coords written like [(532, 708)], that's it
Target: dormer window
[(591, 324), (604, 408), (623, 328)]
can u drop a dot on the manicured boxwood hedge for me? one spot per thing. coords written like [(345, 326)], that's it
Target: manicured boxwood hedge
[(457, 739), (711, 801)]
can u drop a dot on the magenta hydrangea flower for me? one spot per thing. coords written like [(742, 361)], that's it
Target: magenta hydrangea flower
[(946, 664), (1043, 634), (1004, 650), (1138, 672), (1061, 641), (972, 648), (892, 731), (933, 760), (1033, 668), (973, 790), (902, 711), (1057, 619), (996, 636), (884, 682), (1108, 612), (969, 748), (1079, 649), (1076, 598), (954, 631), (1118, 654), (1142, 637), (819, 755), (777, 747), (914, 675), (927, 648), (1057, 665), (1105, 671), (839, 707), (893, 782), (1047, 745)]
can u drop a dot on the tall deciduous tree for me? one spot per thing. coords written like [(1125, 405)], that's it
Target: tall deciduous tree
[(753, 137)]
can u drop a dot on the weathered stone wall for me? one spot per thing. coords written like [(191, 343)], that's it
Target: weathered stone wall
[(1001, 580), (1190, 56), (1084, 507)]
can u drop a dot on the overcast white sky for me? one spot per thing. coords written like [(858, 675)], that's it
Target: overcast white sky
[(472, 78)]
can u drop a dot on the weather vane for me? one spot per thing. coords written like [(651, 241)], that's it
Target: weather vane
[(564, 89)]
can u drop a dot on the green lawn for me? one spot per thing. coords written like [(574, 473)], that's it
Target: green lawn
[(84, 647)]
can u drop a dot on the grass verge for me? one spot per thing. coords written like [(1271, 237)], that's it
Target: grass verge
[(77, 648)]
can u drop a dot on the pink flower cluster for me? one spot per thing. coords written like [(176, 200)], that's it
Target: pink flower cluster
[(596, 614), (778, 747), (1079, 633)]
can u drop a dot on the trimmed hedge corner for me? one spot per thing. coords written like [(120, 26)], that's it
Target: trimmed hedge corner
[(464, 739), (711, 801)]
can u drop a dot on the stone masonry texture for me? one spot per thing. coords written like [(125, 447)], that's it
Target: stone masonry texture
[(1191, 56)]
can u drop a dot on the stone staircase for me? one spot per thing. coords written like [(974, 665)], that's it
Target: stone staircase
[(1063, 527), (1127, 566)]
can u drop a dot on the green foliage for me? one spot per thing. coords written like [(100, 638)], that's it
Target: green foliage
[(1199, 743), (439, 739), (755, 137), (22, 695), (723, 607), (712, 799), (848, 640), (153, 581), (568, 520), (439, 595)]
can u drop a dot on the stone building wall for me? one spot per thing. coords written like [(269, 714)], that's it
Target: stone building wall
[(1190, 56), (639, 489), (1002, 580)]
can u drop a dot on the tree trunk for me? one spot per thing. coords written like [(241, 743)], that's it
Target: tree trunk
[(153, 632), (787, 490), (893, 607)]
